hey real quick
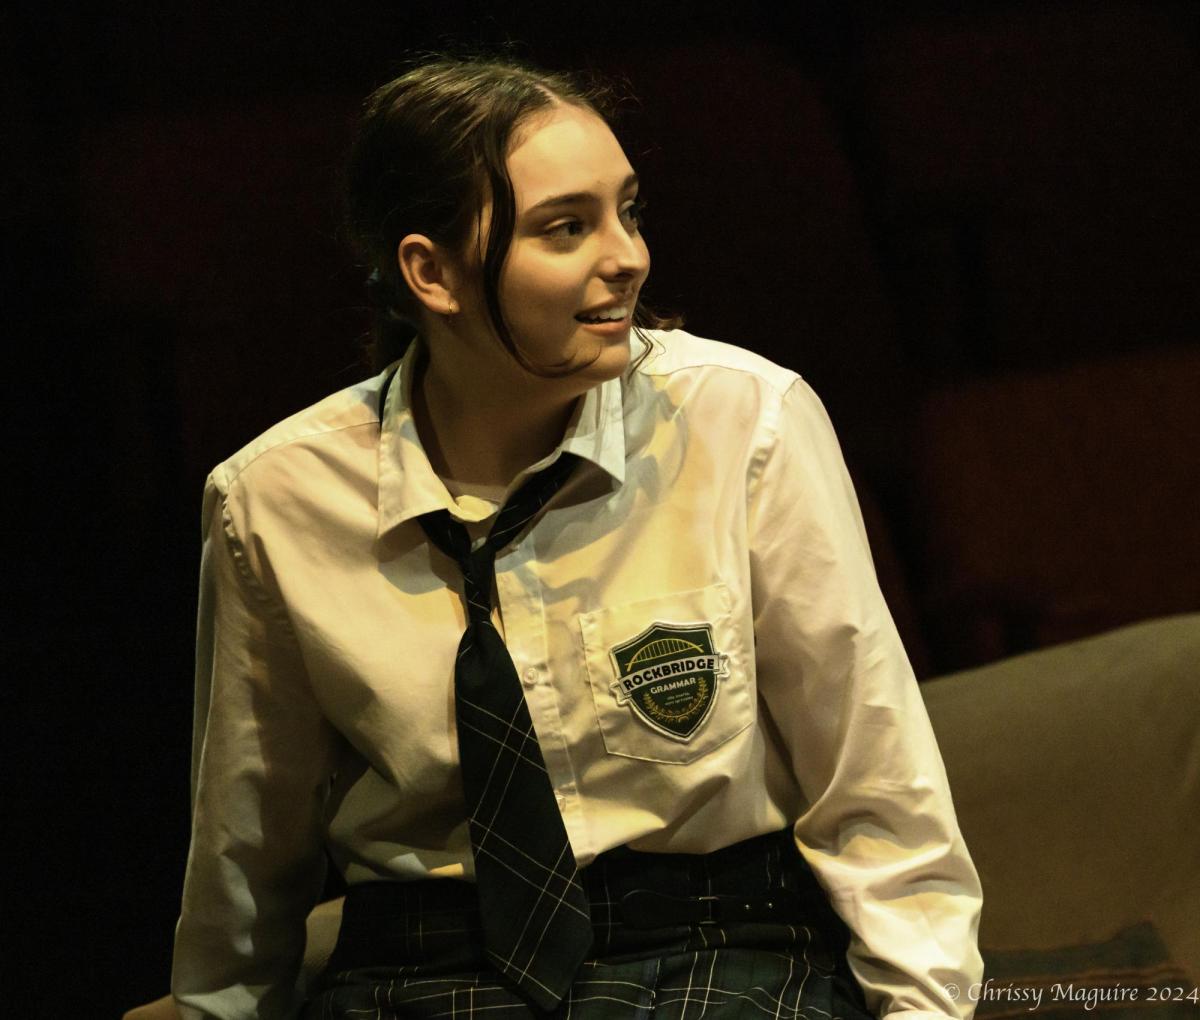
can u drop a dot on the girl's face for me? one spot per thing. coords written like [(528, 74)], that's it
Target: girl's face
[(577, 252)]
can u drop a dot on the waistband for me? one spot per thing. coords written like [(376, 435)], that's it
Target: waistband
[(759, 892)]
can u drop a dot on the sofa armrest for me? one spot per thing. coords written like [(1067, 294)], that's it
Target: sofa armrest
[(1076, 775)]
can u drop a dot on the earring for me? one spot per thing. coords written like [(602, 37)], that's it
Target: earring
[(452, 308)]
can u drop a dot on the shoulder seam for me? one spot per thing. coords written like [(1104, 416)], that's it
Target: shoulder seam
[(758, 462), (253, 583)]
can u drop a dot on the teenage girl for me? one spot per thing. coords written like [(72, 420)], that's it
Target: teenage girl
[(726, 733)]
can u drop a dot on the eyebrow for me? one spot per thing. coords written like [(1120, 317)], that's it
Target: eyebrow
[(577, 196)]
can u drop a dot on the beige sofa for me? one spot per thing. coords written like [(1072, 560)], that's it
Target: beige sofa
[(1076, 775)]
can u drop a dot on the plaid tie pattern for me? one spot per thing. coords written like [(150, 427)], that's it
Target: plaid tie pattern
[(537, 928)]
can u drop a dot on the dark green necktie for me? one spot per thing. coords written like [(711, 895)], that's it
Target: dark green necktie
[(537, 929)]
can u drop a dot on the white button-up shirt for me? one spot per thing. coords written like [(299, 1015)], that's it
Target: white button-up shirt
[(711, 524)]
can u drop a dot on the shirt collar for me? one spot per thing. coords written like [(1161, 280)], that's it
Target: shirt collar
[(408, 485)]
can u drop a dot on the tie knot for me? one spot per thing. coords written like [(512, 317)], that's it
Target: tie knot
[(478, 566)]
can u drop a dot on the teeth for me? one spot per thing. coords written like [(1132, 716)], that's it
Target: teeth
[(608, 315)]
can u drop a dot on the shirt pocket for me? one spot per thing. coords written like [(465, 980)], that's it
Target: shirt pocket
[(669, 675)]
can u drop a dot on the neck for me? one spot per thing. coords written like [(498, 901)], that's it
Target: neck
[(484, 431)]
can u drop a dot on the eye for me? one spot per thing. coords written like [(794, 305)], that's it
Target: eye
[(635, 211), (570, 230), (565, 229)]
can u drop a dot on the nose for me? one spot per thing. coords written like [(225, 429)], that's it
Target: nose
[(625, 255)]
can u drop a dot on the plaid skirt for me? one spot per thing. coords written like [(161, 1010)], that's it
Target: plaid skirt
[(415, 949)]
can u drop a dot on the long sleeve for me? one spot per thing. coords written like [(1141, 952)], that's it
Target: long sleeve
[(260, 766), (879, 828)]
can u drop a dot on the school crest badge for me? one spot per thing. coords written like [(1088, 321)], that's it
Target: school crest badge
[(668, 675)]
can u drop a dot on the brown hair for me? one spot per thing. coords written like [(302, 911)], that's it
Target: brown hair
[(431, 146)]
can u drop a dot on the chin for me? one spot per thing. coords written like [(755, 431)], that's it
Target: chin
[(594, 363), (612, 359)]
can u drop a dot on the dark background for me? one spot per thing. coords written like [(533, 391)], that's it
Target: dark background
[(973, 229)]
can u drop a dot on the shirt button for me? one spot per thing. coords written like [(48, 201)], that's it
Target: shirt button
[(562, 801), (530, 676)]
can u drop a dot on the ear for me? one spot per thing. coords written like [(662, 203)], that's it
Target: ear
[(432, 274)]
